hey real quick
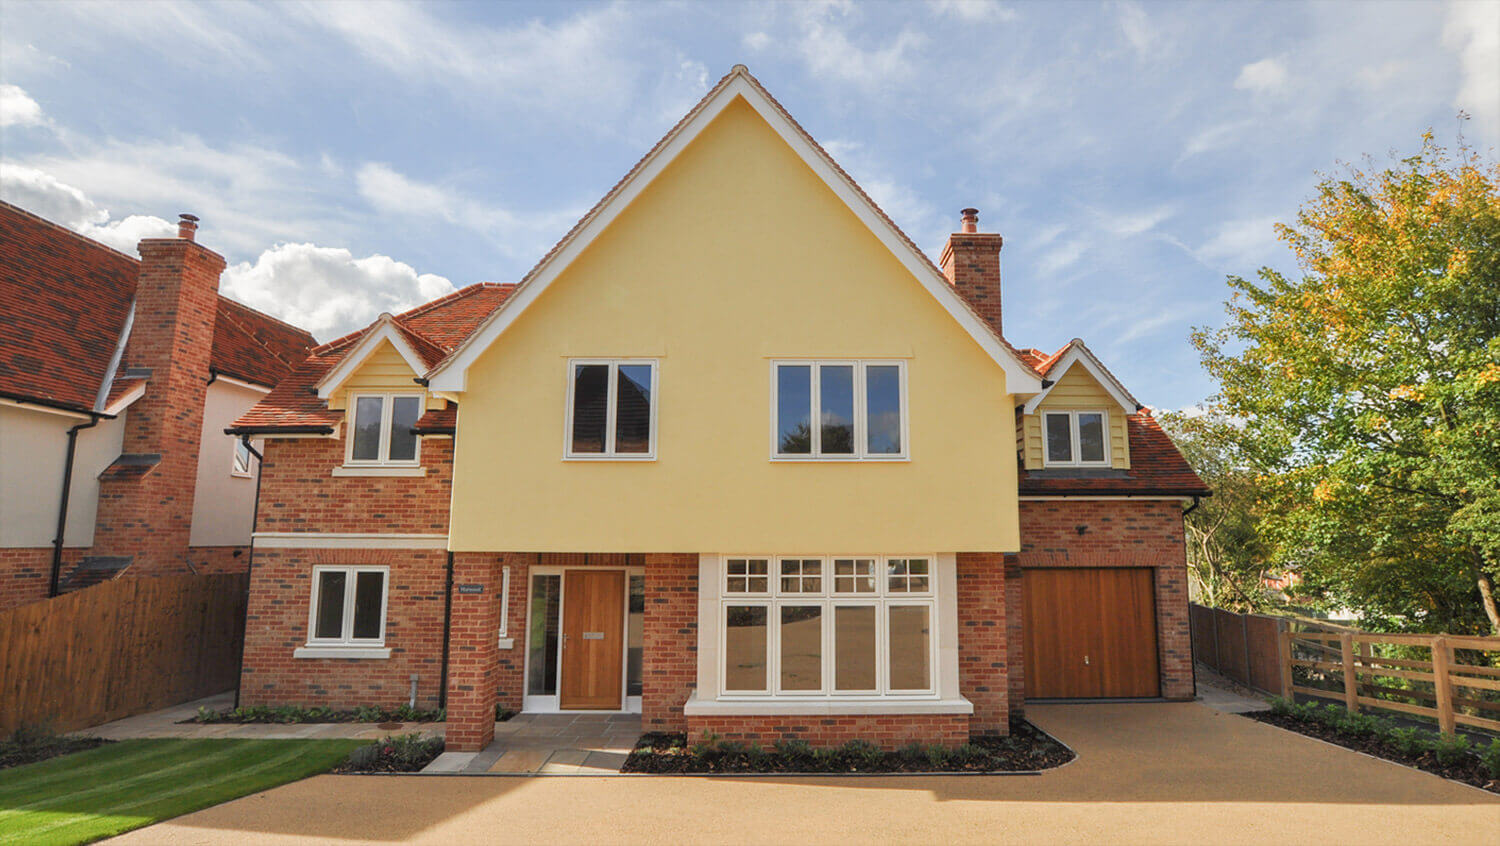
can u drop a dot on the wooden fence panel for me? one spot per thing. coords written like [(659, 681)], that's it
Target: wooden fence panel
[(1242, 647), (120, 648)]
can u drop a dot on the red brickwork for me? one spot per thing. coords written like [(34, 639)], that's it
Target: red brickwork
[(24, 575), (971, 261), (982, 647), (669, 672), (1118, 533), (213, 560), (149, 516), (299, 493), (277, 624), (889, 731), (473, 654)]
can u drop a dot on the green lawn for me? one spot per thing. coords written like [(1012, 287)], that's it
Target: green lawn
[(84, 796)]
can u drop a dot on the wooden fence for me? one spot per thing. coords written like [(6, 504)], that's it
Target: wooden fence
[(1373, 670), (120, 648), (1242, 647)]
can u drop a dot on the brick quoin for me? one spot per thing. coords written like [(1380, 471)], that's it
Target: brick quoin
[(888, 731), (24, 575), (669, 671), (1119, 533), (149, 516), (473, 652)]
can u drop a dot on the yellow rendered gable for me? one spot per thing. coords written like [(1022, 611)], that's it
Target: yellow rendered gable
[(1077, 389), (384, 370), (734, 255)]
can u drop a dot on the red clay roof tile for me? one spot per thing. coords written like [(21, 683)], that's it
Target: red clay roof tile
[(1156, 468)]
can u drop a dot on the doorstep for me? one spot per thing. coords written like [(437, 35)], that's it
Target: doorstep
[(584, 743)]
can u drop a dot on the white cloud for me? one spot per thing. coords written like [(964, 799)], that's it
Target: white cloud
[(756, 41), (829, 49), (45, 196), (1130, 224), (974, 11), (326, 290), (17, 108), (1214, 137), (1472, 30), (1137, 28), (1065, 255), (1239, 242), (1262, 77)]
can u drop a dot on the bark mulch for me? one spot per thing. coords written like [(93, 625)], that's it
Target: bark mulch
[(1469, 771), (28, 748), (407, 753), (1028, 748)]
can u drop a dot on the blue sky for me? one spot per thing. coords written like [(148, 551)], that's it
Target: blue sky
[(351, 159)]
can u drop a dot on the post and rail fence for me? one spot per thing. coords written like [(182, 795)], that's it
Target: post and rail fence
[(120, 648), (1453, 680)]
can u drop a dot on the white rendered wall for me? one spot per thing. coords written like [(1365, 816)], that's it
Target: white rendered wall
[(223, 504), (33, 450)]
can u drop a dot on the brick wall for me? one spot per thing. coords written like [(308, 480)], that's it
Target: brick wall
[(24, 575), (982, 640), (299, 493), (276, 625), (149, 516), (473, 654), (212, 560), (889, 731), (669, 671), (971, 261), (1118, 533)]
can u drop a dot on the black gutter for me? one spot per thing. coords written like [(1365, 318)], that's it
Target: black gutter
[(1197, 501), (27, 399), (249, 565), (1156, 494), (243, 431), (447, 632), (62, 508)]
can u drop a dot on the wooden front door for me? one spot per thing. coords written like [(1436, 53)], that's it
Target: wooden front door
[(1090, 633), (593, 640)]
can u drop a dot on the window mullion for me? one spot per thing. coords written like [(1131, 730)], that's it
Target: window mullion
[(610, 401), (815, 410), (861, 410), (350, 577)]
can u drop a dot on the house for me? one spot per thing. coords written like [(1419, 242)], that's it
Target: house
[(118, 377), (735, 455)]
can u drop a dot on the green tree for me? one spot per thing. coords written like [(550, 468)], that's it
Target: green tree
[(1369, 387), (1227, 562)]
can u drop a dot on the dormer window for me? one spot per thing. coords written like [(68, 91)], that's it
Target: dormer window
[(1076, 438), (380, 429)]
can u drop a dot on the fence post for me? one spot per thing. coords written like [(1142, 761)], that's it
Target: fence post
[(1351, 680), (1284, 635), (1442, 656)]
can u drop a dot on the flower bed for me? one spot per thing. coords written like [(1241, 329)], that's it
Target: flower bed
[(30, 744), (295, 714), (1456, 758), (1027, 748), (406, 753)]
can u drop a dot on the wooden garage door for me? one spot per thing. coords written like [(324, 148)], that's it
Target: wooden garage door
[(1090, 633)]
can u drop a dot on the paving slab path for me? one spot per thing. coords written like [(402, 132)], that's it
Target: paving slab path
[(1146, 773)]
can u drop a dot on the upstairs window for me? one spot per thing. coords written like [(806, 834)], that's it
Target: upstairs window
[(1076, 438), (846, 410), (611, 409), (348, 606), (381, 429)]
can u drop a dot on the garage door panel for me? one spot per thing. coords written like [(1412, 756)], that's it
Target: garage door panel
[(1090, 633)]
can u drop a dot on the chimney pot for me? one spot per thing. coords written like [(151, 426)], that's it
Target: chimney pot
[(187, 224), (970, 220)]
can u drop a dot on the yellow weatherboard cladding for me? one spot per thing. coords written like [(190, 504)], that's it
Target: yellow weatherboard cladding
[(736, 254), (384, 370), (1077, 389)]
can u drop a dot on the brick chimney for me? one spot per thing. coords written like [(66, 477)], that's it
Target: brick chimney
[(146, 496), (971, 261)]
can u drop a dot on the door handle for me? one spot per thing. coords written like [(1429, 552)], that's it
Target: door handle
[(1085, 660), (562, 641)]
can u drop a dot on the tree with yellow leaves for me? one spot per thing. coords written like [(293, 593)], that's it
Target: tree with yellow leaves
[(1369, 387)]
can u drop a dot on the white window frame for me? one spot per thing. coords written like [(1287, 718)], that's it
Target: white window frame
[(1077, 453), (387, 408), (861, 410), (505, 639), (882, 600), (346, 638), (610, 409), (234, 460)]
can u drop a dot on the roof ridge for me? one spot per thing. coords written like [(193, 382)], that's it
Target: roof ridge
[(465, 291), (401, 324), (271, 317), (93, 242)]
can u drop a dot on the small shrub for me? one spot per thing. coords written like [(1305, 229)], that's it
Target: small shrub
[(368, 714), (826, 759), (967, 755), (793, 749), (936, 756), (1410, 742), (863, 753), (502, 714), (1451, 749), (1358, 725), (1490, 758), (1283, 707)]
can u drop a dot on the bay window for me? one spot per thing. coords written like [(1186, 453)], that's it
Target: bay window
[(847, 410), (827, 626), (1076, 438)]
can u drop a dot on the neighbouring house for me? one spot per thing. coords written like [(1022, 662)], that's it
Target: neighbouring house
[(735, 455), (118, 377)]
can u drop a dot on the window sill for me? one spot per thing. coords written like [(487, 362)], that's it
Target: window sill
[(831, 459), (636, 458), (507, 643), (342, 652), (357, 470), (770, 706)]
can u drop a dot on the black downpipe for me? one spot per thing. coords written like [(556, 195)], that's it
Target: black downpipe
[(260, 466), (447, 632), (62, 509), (1197, 501)]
